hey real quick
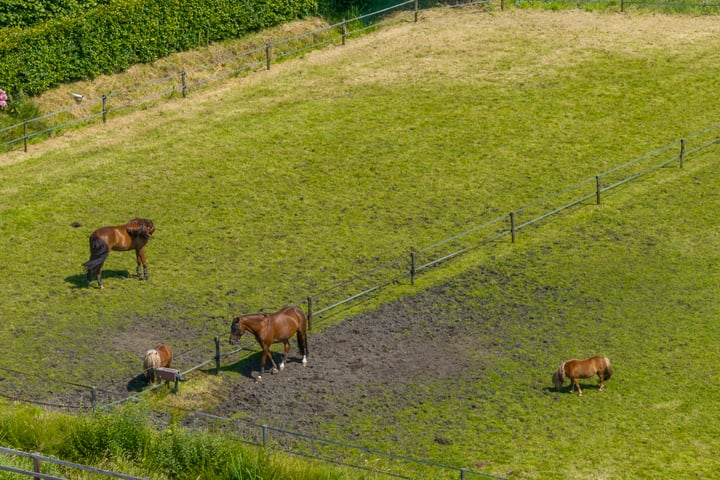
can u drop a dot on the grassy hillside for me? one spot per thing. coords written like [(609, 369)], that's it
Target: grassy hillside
[(269, 188)]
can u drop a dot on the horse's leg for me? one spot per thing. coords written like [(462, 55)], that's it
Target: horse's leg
[(99, 278), (577, 384), (601, 378), (141, 262), (286, 345)]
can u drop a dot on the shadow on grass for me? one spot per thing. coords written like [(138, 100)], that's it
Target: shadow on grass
[(137, 384), (250, 366), (80, 280)]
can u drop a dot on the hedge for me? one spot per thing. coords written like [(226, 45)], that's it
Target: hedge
[(110, 38)]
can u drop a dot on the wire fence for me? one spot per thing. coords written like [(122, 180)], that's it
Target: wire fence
[(36, 460)]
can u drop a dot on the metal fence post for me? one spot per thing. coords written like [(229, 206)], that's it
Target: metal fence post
[(264, 435), (25, 123), (93, 397)]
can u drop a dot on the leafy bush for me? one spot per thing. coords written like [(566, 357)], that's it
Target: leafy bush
[(114, 36)]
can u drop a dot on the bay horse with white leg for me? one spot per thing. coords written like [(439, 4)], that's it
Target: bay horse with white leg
[(134, 235), (575, 369), (269, 328), (160, 356)]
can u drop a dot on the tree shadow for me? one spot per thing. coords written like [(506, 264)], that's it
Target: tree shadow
[(80, 280)]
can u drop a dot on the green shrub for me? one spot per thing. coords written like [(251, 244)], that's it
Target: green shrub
[(110, 38)]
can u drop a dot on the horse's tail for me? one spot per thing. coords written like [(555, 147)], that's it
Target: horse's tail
[(99, 251), (302, 332), (558, 377), (608, 369)]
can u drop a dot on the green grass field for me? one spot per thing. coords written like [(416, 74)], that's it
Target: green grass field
[(269, 188)]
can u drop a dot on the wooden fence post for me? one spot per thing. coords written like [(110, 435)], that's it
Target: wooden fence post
[(267, 55), (598, 188), (217, 354), (412, 267), (682, 151), (36, 465), (184, 84), (309, 312), (512, 227), (104, 108), (416, 10), (344, 31), (25, 123), (93, 397)]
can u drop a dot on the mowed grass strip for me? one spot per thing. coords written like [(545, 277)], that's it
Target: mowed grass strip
[(271, 187)]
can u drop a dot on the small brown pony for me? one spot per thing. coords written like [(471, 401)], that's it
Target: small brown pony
[(574, 369), (269, 328), (131, 236), (160, 356)]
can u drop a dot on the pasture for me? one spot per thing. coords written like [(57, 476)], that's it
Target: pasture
[(267, 188)]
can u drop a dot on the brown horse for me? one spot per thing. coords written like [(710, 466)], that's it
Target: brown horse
[(574, 369), (270, 328), (160, 356), (131, 236)]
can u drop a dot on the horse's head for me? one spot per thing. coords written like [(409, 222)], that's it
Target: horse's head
[(236, 331), (141, 227), (558, 378)]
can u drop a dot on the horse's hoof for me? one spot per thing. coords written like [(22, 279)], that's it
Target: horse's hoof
[(274, 371), (304, 362), (282, 366)]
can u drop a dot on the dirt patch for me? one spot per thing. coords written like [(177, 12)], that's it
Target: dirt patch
[(388, 352)]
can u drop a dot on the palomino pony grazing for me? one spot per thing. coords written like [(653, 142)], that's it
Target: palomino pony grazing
[(270, 328), (131, 236), (160, 356), (574, 369)]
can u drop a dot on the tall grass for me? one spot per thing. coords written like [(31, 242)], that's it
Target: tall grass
[(125, 440)]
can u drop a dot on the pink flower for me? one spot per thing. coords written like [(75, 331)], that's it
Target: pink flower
[(3, 98)]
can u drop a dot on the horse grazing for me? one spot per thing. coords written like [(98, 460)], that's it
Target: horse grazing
[(131, 236), (270, 328), (160, 356), (574, 369)]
